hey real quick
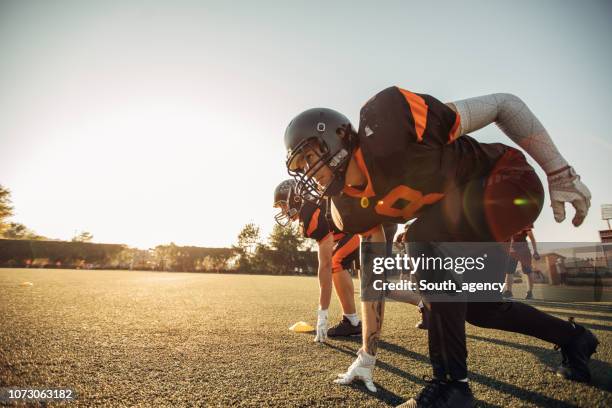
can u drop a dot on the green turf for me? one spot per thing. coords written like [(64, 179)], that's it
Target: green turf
[(174, 339)]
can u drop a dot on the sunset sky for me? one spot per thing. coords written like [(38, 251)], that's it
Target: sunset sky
[(146, 122)]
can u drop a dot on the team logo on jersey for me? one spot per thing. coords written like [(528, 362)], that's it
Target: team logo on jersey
[(365, 202), (368, 132)]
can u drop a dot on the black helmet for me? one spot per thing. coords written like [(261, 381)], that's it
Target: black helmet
[(334, 134), (285, 193)]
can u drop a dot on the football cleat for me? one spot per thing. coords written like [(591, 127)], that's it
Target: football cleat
[(442, 394), (576, 355), (344, 329)]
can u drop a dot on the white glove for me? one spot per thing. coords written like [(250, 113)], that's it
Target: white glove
[(566, 187), (361, 369), (321, 326)]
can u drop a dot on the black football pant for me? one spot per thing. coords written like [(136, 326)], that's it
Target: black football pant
[(485, 210)]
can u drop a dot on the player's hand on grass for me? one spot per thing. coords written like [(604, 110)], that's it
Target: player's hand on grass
[(566, 187), (361, 369), (321, 335)]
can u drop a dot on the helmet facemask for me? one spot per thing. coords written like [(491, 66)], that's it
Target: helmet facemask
[(285, 215), (289, 208), (307, 186)]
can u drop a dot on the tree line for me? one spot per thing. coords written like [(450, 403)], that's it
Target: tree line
[(284, 252)]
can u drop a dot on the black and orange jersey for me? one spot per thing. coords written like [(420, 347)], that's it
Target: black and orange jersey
[(410, 152), (314, 225), (313, 222)]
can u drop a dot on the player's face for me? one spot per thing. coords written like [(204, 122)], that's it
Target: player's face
[(309, 162)]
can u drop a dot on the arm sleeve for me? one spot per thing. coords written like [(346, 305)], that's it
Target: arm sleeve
[(516, 120)]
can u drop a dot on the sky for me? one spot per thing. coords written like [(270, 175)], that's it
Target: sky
[(149, 122)]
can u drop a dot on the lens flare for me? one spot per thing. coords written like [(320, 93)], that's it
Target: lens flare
[(520, 201)]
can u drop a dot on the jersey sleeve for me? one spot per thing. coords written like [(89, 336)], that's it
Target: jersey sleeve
[(394, 119), (314, 223)]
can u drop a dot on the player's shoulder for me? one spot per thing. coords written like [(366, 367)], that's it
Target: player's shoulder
[(381, 99), (385, 124)]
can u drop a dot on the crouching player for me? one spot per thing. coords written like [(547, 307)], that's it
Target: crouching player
[(411, 158), (337, 251)]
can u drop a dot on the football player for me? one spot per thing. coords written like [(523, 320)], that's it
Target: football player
[(411, 158), (337, 251), (520, 252)]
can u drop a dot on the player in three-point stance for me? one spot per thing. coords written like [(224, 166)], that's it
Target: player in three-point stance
[(337, 251), (411, 158)]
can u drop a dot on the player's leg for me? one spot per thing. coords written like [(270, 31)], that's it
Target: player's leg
[(521, 318), (446, 342), (527, 269), (530, 284), (346, 251), (577, 343), (345, 290), (510, 271)]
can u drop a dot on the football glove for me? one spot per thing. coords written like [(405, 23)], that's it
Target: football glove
[(321, 335), (361, 369), (565, 187)]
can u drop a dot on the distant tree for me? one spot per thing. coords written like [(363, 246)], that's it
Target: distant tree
[(248, 247), (286, 239), (165, 256), (16, 230), (216, 262), (6, 209), (248, 238), (84, 236)]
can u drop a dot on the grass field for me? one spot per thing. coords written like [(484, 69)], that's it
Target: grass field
[(122, 338)]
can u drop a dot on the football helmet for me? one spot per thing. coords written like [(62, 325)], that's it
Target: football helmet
[(330, 135), (287, 201)]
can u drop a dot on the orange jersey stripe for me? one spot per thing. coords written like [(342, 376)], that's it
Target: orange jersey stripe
[(369, 190), (418, 107), (454, 133), (314, 222), (343, 252)]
